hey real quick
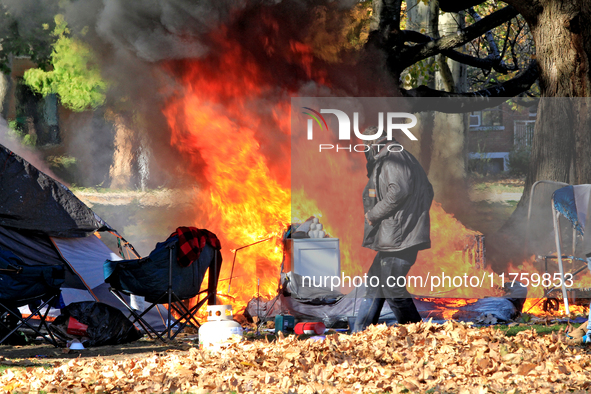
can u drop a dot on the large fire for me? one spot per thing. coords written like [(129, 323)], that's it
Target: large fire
[(232, 126), (246, 201)]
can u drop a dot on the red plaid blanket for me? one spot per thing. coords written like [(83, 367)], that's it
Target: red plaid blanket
[(191, 241)]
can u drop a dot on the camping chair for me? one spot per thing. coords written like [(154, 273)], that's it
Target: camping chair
[(161, 280), (37, 287), (569, 202)]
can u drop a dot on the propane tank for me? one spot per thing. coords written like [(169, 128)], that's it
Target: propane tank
[(219, 328)]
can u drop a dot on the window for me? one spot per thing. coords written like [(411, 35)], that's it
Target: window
[(523, 133), (533, 111), (489, 118)]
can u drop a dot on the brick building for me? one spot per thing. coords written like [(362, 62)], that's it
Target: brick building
[(495, 132)]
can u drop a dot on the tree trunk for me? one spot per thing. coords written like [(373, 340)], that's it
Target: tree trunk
[(448, 172), (422, 17), (121, 171), (562, 136), (5, 86), (441, 149)]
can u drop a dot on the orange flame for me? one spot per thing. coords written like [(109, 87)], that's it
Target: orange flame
[(456, 252), (535, 306), (232, 127), (244, 194), (539, 281)]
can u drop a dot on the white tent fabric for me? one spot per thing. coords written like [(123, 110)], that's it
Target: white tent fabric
[(86, 257), (582, 194)]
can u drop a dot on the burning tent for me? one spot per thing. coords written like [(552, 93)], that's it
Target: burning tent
[(306, 258), (335, 313)]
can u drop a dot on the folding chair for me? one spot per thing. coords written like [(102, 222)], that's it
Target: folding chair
[(571, 203), (161, 280), (38, 287)]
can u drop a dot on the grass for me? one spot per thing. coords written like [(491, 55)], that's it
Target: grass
[(497, 188), (28, 365), (497, 183), (539, 328), (509, 330)]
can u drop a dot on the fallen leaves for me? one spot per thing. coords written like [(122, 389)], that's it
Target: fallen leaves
[(525, 368), (417, 358)]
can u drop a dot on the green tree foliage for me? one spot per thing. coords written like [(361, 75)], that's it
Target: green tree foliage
[(75, 77), (25, 34)]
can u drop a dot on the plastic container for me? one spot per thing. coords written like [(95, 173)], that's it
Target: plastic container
[(284, 323), (310, 328), (76, 328), (219, 328), (76, 346)]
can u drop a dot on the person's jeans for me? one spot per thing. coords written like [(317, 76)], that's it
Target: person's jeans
[(394, 265)]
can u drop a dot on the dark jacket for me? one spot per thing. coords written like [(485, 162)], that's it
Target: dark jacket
[(399, 206)]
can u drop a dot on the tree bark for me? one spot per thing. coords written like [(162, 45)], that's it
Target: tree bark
[(562, 136), (5, 86), (423, 18), (448, 173), (121, 171)]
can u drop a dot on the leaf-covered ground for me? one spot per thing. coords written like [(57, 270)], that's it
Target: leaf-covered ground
[(423, 357)]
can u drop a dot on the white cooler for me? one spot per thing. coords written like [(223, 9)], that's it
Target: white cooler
[(313, 257)]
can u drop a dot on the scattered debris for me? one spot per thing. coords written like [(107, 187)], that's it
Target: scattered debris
[(486, 319)]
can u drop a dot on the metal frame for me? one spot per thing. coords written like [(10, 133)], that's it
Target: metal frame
[(188, 315), (25, 321), (529, 208), (174, 303), (558, 241)]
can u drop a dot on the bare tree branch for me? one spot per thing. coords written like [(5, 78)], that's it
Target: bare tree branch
[(457, 5), (506, 42), (475, 101), (415, 37), (410, 55), (485, 64), (446, 75), (489, 36)]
